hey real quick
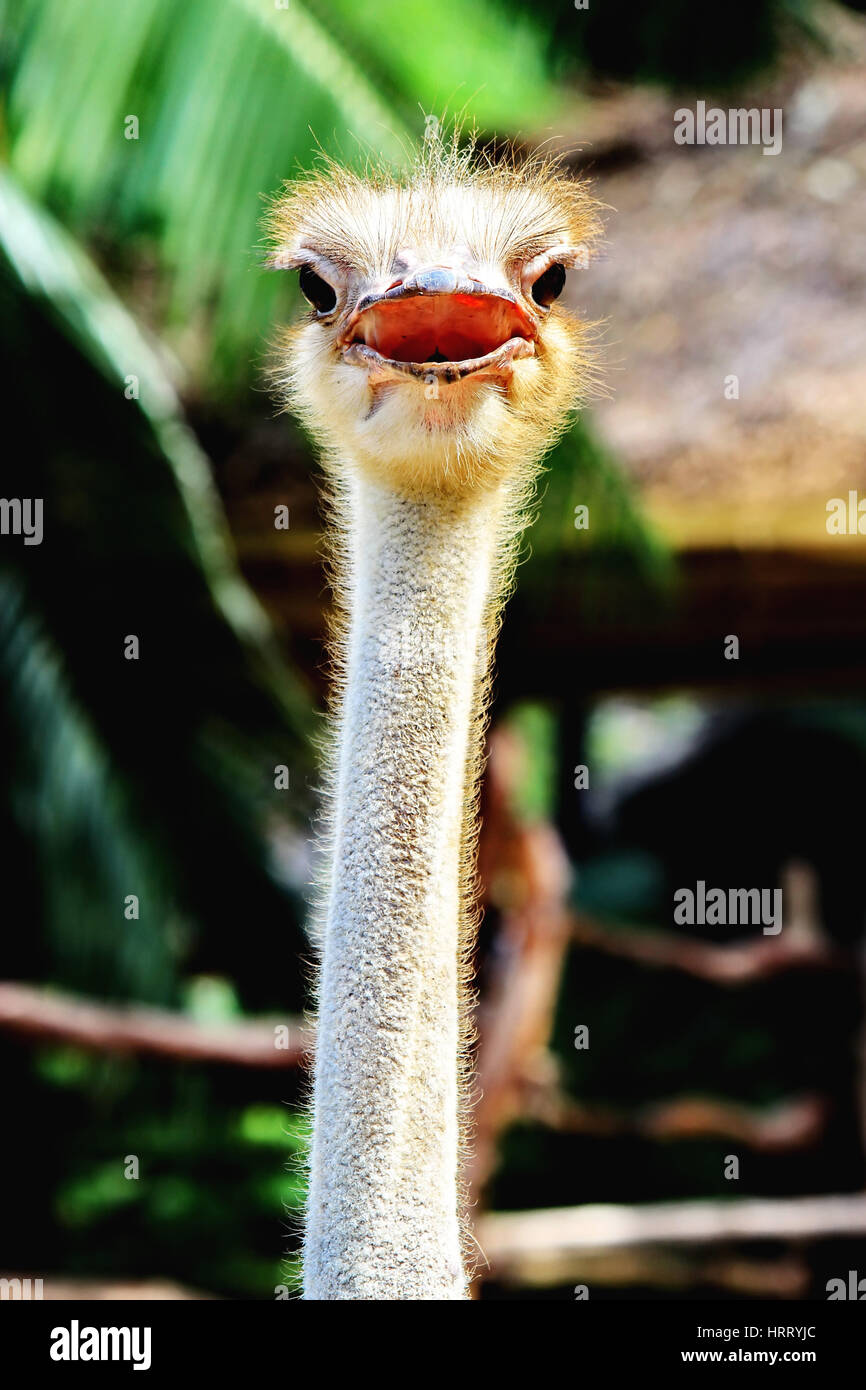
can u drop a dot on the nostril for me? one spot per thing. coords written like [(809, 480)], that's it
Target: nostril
[(436, 280)]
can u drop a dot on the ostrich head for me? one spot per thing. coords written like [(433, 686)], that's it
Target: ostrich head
[(435, 357)]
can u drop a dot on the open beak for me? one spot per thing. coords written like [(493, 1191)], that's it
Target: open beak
[(439, 326)]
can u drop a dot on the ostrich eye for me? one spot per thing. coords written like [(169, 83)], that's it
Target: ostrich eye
[(321, 295), (549, 285)]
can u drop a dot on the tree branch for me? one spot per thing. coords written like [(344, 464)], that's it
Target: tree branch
[(738, 963), (57, 1018)]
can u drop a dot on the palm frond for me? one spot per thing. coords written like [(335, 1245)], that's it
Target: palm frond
[(79, 854), (135, 542)]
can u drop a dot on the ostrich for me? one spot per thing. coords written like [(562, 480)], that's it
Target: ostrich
[(434, 369)]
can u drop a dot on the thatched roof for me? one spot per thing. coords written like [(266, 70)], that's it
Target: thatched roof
[(724, 261)]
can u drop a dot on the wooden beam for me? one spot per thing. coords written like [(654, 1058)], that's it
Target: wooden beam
[(553, 1245)]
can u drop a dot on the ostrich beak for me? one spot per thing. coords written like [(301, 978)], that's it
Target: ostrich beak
[(439, 325)]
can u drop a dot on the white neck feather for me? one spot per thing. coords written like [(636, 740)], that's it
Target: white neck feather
[(382, 1218)]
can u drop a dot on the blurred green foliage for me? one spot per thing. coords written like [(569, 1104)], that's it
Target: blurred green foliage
[(217, 1189), (114, 797)]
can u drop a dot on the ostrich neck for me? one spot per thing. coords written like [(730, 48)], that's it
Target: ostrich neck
[(383, 1206)]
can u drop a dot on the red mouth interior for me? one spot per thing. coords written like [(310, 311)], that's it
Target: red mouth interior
[(440, 328)]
